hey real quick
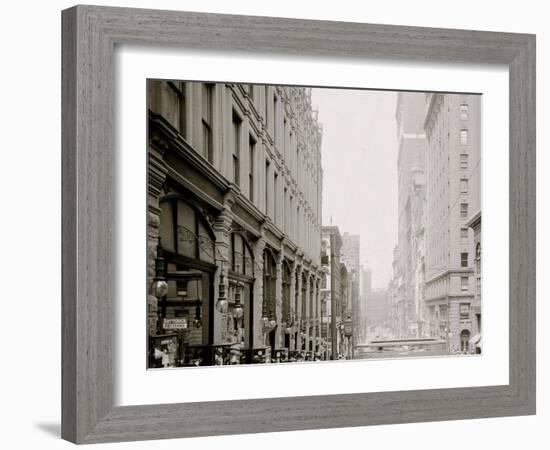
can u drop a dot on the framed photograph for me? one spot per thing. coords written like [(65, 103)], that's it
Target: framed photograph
[(275, 224)]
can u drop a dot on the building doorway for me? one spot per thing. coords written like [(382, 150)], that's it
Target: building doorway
[(465, 341)]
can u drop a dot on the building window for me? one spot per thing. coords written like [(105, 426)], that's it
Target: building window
[(275, 180), (297, 174), (463, 137), (267, 187), (298, 227), (463, 283), (464, 110), (464, 186), (464, 259), (183, 230), (464, 311), (275, 119), (464, 210), (463, 162), (236, 148), (285, 211), (207, 97), (242, 259), (464, 235), (478, 257), (251, 164), (179, 89), (285, 155)]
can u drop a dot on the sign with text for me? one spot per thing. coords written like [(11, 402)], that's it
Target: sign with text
[(174, 324)]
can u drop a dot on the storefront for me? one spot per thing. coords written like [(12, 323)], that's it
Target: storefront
[(187, 247)]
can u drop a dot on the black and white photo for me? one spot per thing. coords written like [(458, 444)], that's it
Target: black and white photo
[(293, 224)]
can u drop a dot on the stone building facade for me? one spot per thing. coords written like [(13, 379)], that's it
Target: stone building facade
[(452, 125), (335, 297), (410, 112), (351, 250), (234, 223)]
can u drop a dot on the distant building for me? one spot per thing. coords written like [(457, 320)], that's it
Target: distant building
[(410, 112), (366, 287), (335, 296), (351, 249)]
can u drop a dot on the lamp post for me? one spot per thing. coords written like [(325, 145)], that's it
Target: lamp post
[(159, 288)]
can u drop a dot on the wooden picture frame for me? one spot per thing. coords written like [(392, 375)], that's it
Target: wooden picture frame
[(90, 34)]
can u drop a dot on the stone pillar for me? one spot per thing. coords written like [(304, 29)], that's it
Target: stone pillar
[(315, 320), (314, 311), (318, 299), (299, 269), (222, 231), (156, 180), (152, 242), (292, 301), (258, 331), (453, 322), (308, 311), (279, 333)]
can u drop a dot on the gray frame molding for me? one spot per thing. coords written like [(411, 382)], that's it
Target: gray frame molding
[(89, 36)]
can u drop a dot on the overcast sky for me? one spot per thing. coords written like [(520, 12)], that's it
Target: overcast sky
[(360, 171)]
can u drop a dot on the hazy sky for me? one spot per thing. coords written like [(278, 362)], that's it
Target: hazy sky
[(360, 171)]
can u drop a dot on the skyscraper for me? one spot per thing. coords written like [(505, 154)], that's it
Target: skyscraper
[(452, 125)]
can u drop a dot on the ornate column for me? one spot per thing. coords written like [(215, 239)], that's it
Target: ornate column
[(257, 328), (292, 301), (314, 312), (318, 300), (222, 231), (308, 312), (298, 293), (156, 183), (279, 333)]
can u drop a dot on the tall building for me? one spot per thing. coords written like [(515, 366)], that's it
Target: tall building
[(452, 124), (234, 223), (410, 113), (366, 287), (336, 307), (351, 249)]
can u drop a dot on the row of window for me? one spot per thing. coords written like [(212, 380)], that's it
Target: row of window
[(205, 147)]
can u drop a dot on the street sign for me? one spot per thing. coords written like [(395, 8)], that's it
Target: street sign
[(174, 324)]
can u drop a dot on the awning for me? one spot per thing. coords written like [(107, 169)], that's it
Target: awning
[(475, 339)]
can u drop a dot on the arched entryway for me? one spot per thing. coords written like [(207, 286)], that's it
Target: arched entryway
[(464, 340), (185, 312), (239, 327)]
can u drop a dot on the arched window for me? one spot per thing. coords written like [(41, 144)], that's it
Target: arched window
[(242, 259), (270, 277), (304, 296), (464, 340), (286, 293), (311, 299), (185, 231)]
